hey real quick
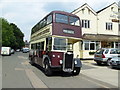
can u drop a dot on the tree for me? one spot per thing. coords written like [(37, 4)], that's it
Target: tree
[(8, 38), (18, 35), (11, 35)]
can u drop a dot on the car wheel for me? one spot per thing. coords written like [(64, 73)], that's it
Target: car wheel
[(48, 70), (108, 62), (99, 63), (76, 71), (110, 66)]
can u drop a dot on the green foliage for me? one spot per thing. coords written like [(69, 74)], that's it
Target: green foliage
[(19, 36), (11, 35), (91, 53)]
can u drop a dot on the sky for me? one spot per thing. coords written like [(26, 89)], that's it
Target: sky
[(26, 13)]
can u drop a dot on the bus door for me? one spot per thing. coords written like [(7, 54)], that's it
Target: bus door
[(73, 46)]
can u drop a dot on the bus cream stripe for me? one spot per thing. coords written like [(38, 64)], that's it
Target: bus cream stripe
[(35, 81)]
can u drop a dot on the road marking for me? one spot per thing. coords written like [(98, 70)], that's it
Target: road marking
[(25, 63), (95, 82), (35, 81)]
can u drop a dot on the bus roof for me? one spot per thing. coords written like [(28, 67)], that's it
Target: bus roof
[(63, 12)]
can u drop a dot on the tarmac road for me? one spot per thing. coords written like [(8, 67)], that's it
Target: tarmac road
[(17, 72)]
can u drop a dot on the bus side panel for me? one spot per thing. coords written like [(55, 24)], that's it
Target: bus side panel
[(55, 58), (39, 57)]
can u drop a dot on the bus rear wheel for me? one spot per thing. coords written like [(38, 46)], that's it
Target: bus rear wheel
[(76, 71), (32, 61), (48, 70)]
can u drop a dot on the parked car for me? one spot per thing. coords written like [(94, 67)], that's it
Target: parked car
[(12, 51), (115, 62), (18, 50), (25, 50), (6, 51), (104, 55)]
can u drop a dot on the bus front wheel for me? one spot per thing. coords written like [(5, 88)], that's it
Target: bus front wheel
[(76, 71)]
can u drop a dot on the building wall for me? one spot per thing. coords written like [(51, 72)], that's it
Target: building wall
[(106, 16), (87, 14), (97, 25)]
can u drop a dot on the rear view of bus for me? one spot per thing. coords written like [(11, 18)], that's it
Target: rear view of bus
[(53, 42)]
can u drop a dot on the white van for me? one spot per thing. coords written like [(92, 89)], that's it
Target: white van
[(6, 51)]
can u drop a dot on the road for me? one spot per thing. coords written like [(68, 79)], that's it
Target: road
[(17, 72)]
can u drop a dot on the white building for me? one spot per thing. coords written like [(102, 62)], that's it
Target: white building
[(100, 29)]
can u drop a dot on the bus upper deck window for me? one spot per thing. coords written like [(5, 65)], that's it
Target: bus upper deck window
[(74, 21), (62, 18), (49, 19)]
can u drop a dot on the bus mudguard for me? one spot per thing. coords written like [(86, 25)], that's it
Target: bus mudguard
[(77, 62)]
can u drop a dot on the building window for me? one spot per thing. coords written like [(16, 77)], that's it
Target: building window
[(91, 45), (86, 44), (86, 23), (109, 26), (83, 11), (112, 8), (89, 11), (117, 44)]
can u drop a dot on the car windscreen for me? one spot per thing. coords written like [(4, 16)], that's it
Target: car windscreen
[(100, 51)]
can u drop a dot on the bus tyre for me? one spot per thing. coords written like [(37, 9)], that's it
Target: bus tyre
[(48, 70), (108, 62), (32, 61), (76, 71)]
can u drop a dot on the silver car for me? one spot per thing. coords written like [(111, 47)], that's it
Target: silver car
[(115, 62), (104, 55)]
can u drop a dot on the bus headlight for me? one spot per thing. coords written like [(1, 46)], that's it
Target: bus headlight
[(61, 61), (75, 62), (53, 55)]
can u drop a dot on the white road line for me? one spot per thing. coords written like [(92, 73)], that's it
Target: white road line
[(35, 81)]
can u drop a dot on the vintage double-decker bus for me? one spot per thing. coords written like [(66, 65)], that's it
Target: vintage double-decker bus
[(52, 43)]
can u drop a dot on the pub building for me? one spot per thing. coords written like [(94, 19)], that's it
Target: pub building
[(100, 29)]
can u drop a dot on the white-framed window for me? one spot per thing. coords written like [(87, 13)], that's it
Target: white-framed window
[(109, 26), (86, 23), (117, 45), (91, 45), (83, 11)]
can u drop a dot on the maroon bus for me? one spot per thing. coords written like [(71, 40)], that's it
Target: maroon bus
[(52, 43)]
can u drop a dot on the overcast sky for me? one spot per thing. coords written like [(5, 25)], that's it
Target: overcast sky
[(26, 13)]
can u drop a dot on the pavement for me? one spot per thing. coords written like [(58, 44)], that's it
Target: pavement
[(101, 73)]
